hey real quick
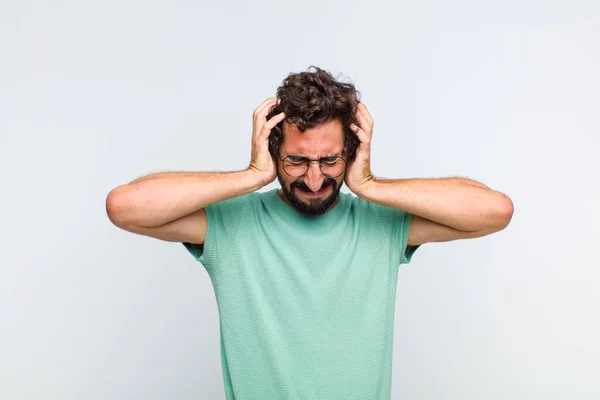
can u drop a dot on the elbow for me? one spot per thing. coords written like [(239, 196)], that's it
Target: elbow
[(509, 209), (116, 206), (504, 211), (498, 215)]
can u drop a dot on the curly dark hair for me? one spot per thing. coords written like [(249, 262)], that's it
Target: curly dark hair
[(310, 98)]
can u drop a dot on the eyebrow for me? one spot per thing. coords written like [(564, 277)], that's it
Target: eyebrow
[(298, 156)]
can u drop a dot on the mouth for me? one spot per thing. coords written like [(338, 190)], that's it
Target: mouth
[(314, 194)]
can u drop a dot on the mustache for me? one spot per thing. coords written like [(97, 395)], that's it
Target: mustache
[(302, 186)]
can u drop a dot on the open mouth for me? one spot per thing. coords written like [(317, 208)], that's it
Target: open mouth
[(315, 194)]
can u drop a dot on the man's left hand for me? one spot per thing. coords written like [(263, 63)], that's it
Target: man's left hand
[(358, 175)]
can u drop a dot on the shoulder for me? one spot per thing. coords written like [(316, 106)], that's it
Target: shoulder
[(373, 210), (234, 203), (231, 209)]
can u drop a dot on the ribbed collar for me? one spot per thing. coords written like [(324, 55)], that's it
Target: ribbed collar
[(288, 213)]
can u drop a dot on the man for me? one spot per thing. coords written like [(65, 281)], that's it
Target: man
[(305, 276)]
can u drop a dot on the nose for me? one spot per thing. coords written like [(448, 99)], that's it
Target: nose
[(314, 178)]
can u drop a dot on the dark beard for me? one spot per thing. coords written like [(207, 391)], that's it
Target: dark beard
[(316, 207)]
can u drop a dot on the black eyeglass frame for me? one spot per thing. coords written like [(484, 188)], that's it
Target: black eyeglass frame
[(319, 160)]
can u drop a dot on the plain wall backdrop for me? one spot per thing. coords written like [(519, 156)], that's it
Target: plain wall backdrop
[(96, 94)]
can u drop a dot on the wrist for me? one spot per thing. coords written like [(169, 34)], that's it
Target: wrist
[(366, 190), (257, 178)]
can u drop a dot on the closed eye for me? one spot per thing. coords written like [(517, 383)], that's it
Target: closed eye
[(297, 161)]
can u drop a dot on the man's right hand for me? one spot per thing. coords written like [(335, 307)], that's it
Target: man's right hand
[(261, 161)]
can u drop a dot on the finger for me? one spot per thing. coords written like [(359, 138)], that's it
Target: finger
[(364, 123), (261, 118), (270, 124), (360, 133), (265, 102), (365, 111), (259, 112), (260, 115)]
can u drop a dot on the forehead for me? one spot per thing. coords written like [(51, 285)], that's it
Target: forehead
[(324, 139)]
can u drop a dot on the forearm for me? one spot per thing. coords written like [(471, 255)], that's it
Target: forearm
[(459, 203), (159, 198)]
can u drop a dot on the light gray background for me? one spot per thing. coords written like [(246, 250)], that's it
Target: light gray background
[(93, 95)]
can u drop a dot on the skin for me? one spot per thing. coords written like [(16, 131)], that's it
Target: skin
[(170, 205), (445, 209), (313, 193)]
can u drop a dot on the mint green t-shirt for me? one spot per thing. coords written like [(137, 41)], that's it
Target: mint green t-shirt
[(306, 305)]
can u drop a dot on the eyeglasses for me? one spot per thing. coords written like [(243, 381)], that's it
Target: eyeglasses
[(331, 167)]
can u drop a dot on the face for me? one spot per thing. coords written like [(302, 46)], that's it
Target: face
[(312, 193)]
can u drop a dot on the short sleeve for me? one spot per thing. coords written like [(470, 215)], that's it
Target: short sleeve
[(400, 229), (391, 223), (396, 223), (223, 219)]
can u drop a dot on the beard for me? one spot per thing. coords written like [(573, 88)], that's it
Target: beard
[(314, 207)]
